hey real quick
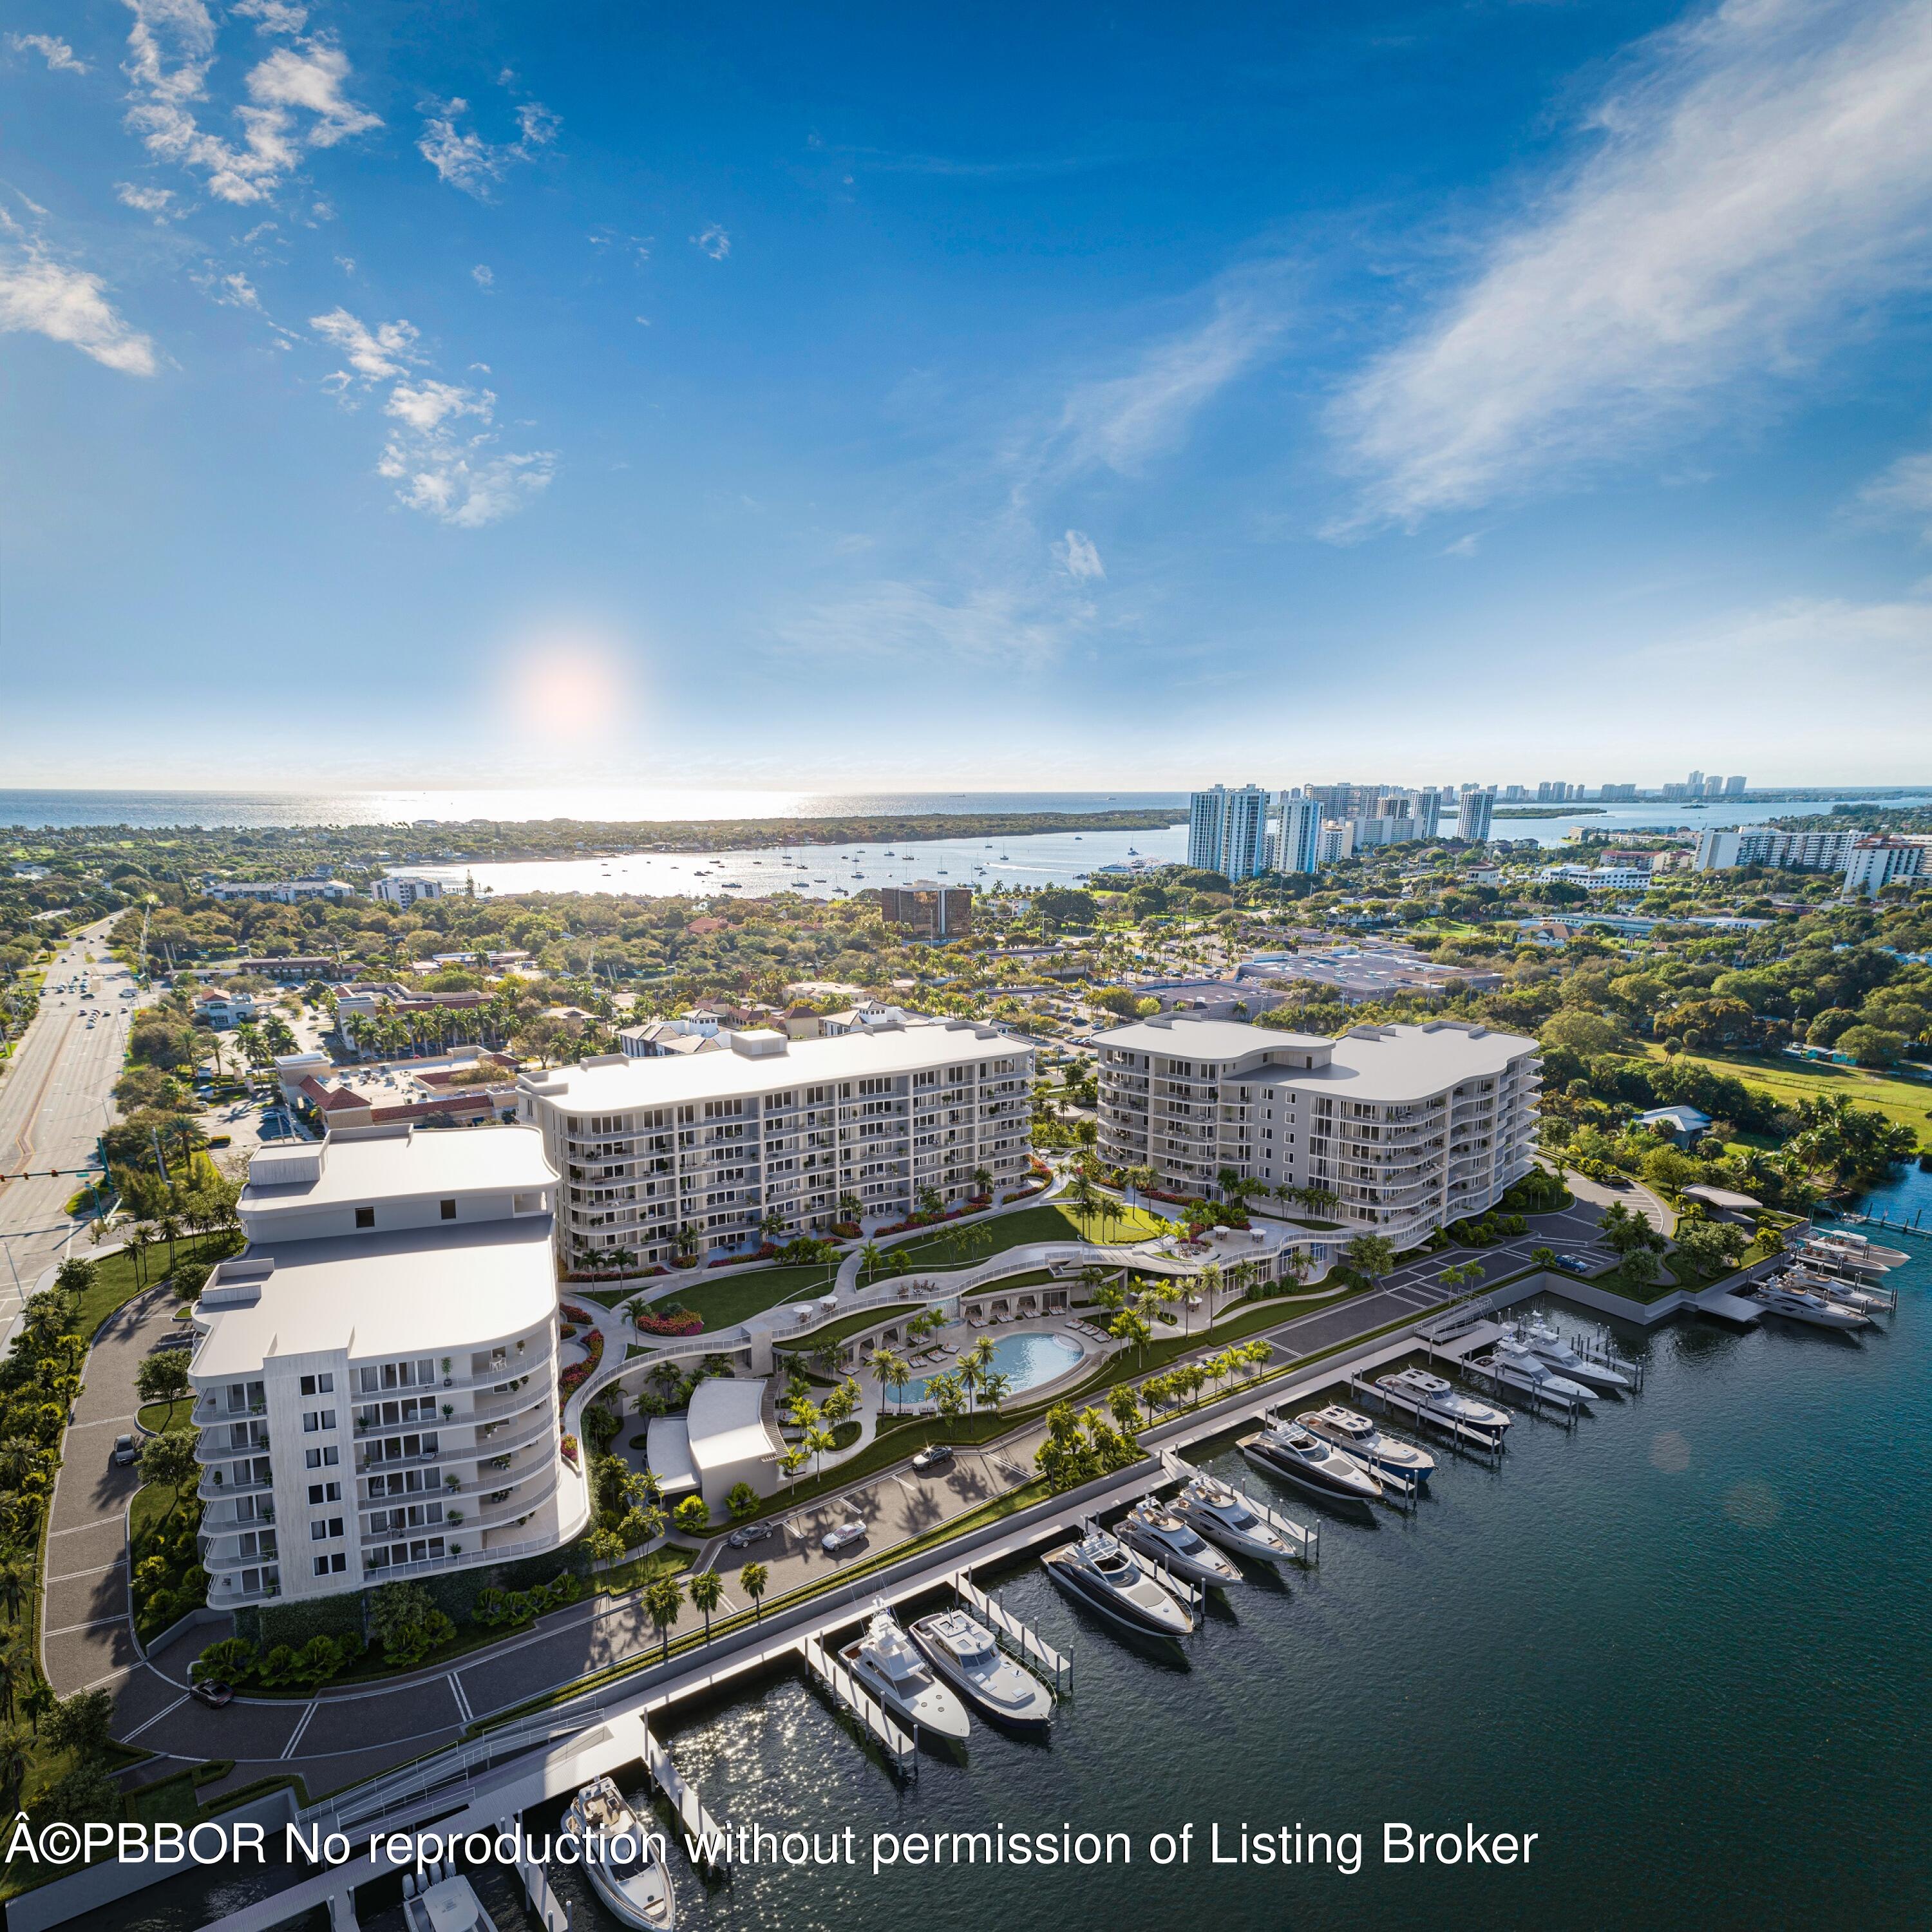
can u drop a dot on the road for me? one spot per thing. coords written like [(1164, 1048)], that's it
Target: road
[(57, 1097)]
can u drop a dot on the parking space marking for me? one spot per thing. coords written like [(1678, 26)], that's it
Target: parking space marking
[(296, 1737), (93, 1522), (93, 1623), (128, 1737), (99, 1569)]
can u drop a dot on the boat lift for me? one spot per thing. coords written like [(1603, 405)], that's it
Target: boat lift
[(1014, 1637), (900, 1752), (1462, 1436)]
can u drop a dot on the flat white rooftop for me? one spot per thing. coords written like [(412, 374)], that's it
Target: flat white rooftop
[(631, 1083), (726, 1424), (418, 1292), (377, 1163)]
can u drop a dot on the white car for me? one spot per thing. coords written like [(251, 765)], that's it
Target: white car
[(850, 1532)]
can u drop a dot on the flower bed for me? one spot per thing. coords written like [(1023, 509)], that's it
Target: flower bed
[(568, 1447), (614, 1274), (571, 1312), (579, 1373), (684, 1322)]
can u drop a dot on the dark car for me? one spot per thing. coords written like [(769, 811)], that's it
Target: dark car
[(1573, 1264), (748, 1533), (934, 1456), (212, 1692), (124, 1451)]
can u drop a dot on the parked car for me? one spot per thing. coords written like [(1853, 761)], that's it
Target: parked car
[(1573, 1264), (934, 1456), (848, 1533), (124, 1451), (212, 1692), (748, 1533)]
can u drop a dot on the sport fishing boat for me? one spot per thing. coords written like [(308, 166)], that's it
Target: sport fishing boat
[(1548, 1342), (1225, 1517), (1438, 1398), (1384, 1455), (1285, 1450), (961, 1649), (885, 1662), (1518, 1366), (1798, 1303), (1109, 1578), (1158, 1532), (616, 1849), (437, 1899)]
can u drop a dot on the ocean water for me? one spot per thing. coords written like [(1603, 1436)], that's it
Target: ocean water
[(1686, 1644)]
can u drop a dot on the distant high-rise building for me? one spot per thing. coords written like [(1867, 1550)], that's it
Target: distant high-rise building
[(1514, 794), (1428, 814), (1227, 831), (1297, 847), (1695, 785), (1477, 812), (1734, 785), (1606, 793)]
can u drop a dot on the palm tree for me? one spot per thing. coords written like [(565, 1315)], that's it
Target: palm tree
[(707, 1588), (663, 1599), (972, 1369), (982, 1181), (169, 1230), (752, 1579), (891, 1370)]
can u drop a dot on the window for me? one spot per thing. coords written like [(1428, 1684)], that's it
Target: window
[(325, 1492), (318, 1384), (324, 1528), (448, 1210), (331, 1566), (314, 1419), (321, 1459), (365, 1217)]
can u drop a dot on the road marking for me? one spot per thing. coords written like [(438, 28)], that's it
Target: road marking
[(92, 1522), (105, 1422), (295, 1738), (97, 1623), (99, 1570), (462, 1702), (127, 1737)]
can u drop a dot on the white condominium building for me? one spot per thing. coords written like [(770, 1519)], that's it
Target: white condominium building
[(1721, 849), (1228, 831), (666, 1155), (1409, 1126), (376, 1378)]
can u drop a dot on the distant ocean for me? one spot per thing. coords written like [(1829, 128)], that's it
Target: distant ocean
[(160, 809)]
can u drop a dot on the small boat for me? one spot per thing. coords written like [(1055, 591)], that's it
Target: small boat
[(1385, 1455), (961, 1649), (1799, 1303), (885, 1662), (1432, 1393), (1224, 1516), (616, 1849), (1284, 1450), (1159, 1533), (1519, 1365), (438, 1899), (1108, 1578), (1547, 1341)]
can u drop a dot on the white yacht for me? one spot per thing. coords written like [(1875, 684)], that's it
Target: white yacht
[(619, 1857), (1235, 1522), (1853, 1293), (1432, 1393), (1517, 1364), (1108, 1577), (1861, 1248), (1384, 1455), (962, 1650), (1546, 1341), (1159, 1533), (885, 1662), (1803, 1303), (1286, 1451), (437, 1899)]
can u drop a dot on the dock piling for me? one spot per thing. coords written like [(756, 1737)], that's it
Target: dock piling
[(1014, 1637), (901, 1751)]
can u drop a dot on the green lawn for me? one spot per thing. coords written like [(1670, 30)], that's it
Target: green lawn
[(114, 1281), (159, 1416), (725, 1304), (1908, 1102)]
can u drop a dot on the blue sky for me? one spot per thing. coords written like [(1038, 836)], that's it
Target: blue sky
[(885, 397)]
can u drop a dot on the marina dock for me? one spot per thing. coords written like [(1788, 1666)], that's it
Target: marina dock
[(701, 1829), (1039, 1657), (1306, 1543), (901, 1751), (1459, 1435)]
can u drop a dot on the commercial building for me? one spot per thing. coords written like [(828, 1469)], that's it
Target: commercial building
[(729, 1435), (1476, 813), (1600, 878), (1356, 974), (402, 889), (281, 892), (1876, 862), (664, 1156), (925, 909), (1409, 1126), (222, 1007), (1721, 850), (375, 1380), (1227, 831)]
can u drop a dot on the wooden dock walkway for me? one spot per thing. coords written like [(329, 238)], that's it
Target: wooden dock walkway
[(701, 1829), (830, 1670)]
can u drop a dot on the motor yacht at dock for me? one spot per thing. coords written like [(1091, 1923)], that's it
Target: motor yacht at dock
[(884, 1661), (1159, 1532), (1384, 1455), (1439, 1398), (1853, 1293), (1518, 1366), (1101, 1572), (1545, 1340), (1286, 1450), (618, 1856), (962, 1650), (438, 1899), (1798, 1303), (1860, 1250), (1228, 1518)]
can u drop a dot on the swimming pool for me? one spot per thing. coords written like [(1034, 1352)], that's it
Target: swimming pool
[(1026, 1360)]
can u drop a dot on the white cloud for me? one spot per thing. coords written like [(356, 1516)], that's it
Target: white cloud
[(483, 276), (464, 160), (464, 485), (45, 297), (170, 54), (714, 241), (428, 405), (1078, 555), (58, 55), (1904, 491), (376, 354), (1769, 652), (235, 291), (272, 16), (1464, 546), (890, 619), (149, 200), (1764, 179)]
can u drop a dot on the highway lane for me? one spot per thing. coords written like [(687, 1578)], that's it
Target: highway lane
[(56, 1097)]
